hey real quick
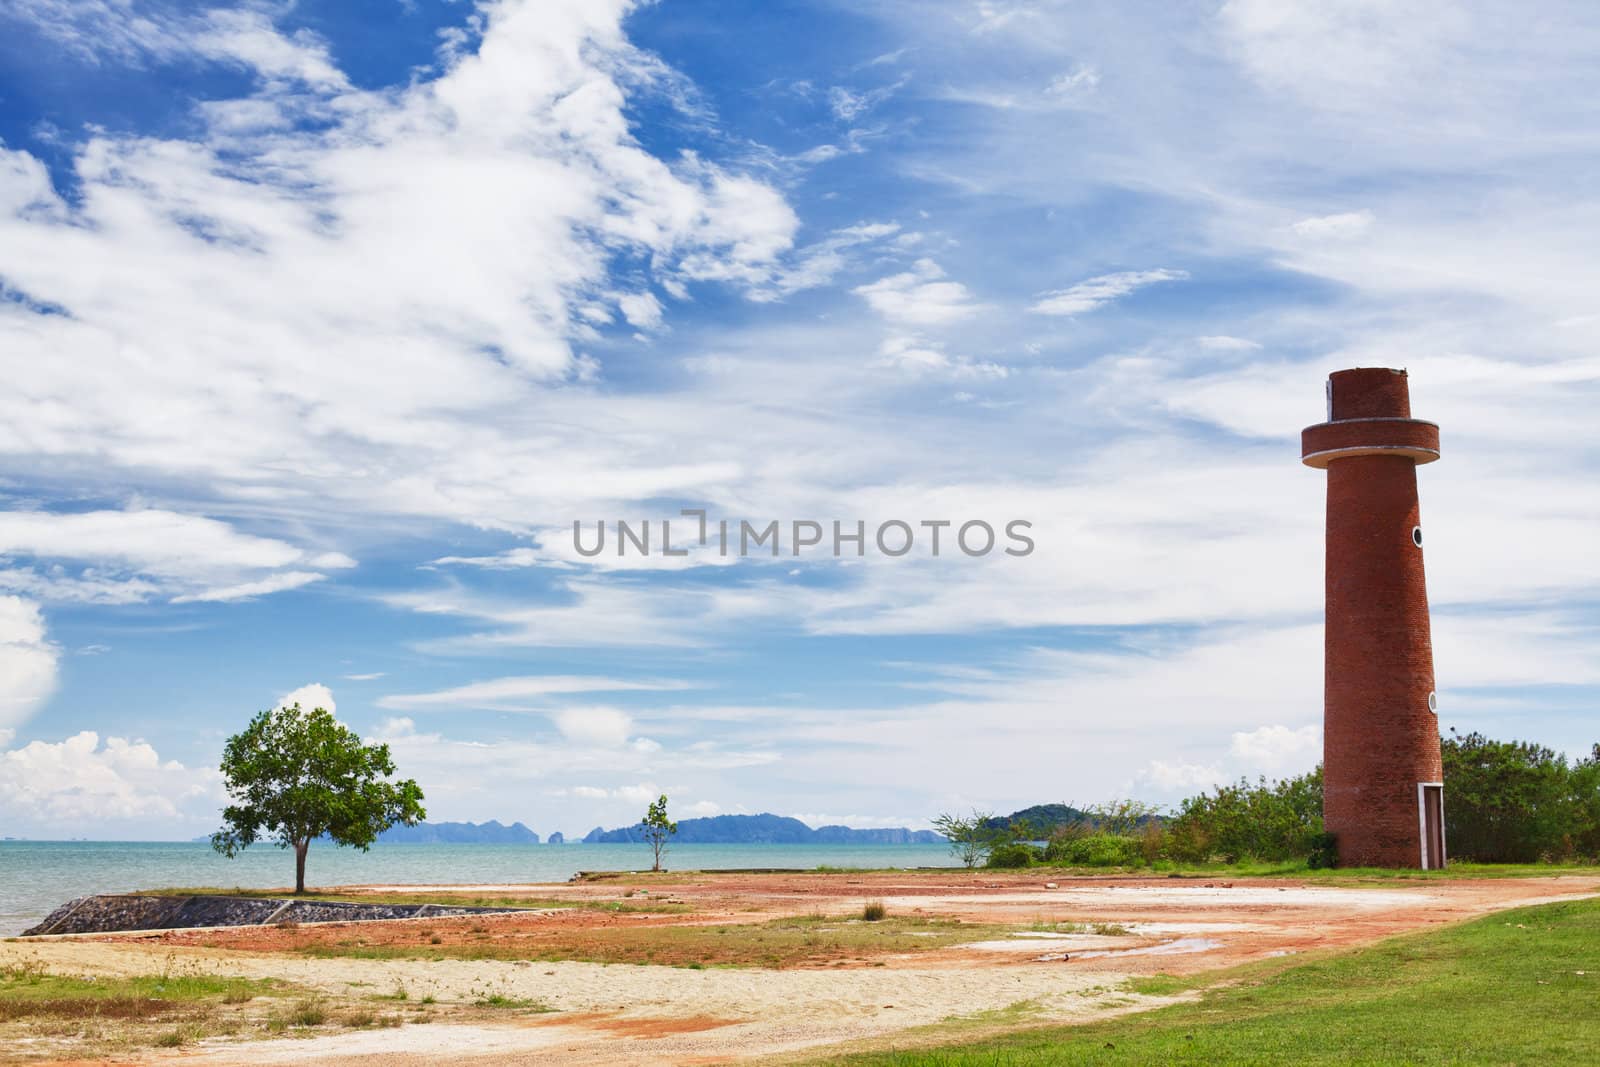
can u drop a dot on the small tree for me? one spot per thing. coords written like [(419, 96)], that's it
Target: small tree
[(657, 828), (296, 775), (970, 836)]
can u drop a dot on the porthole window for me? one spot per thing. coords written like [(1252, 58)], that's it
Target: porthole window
[(1416, 536), (1433, 703)]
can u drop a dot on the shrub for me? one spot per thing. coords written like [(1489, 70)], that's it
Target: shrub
[(1012, 854), (1324, 851), (1277, 820), (1096, 850), (873, 911)]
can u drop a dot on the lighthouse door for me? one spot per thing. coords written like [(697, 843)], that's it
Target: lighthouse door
[(1431, 798)]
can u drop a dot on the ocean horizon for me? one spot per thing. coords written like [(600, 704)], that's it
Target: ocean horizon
[(38, 876)]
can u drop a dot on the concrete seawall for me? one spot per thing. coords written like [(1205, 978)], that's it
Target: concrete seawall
[(113, 913)]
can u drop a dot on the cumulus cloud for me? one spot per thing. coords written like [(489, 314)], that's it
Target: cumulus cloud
[(27, 661), (607, 727), (1278, 750), (920, 297), (120, 787), (1095, 293), (314, 695)]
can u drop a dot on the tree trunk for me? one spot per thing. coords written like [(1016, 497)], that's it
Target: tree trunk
[(300, 865)]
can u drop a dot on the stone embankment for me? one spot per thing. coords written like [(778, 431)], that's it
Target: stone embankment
[(108, 914)]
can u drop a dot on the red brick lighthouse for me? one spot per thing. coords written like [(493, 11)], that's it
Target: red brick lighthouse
[(1383, 789)]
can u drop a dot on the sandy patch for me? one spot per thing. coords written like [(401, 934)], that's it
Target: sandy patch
[(616, 1014)]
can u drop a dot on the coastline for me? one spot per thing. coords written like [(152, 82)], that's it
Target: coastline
[(38, 876)]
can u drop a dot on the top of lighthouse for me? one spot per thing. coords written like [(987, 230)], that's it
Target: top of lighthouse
[(1369, 414)]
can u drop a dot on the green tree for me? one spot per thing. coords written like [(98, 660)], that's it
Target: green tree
[(1515, 802), (297, 775), (1277, 820), (657, 828), (970, 836)]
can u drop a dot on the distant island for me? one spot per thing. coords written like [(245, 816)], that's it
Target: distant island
[(492, 832), (460, 833), (763, 829), (766, 829)]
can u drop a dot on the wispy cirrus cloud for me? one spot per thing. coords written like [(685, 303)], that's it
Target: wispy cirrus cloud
[(514, 693), (1094, 293)]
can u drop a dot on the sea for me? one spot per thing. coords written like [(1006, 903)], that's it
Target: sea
[(37, 876)]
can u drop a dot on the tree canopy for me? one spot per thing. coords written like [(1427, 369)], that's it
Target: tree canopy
[(657, 828), (298, 775)]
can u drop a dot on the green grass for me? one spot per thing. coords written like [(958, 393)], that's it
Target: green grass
[(1297, 869), (23, 984), (1519, 987), (500, 1000)]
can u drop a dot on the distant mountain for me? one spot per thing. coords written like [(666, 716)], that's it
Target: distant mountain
[(492, 832), (766, 829), (557, 838), (1044, 818), (459, 833)]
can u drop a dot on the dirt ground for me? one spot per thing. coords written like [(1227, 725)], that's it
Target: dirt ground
[(1042, 949)]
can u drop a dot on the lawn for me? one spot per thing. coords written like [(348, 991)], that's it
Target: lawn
[(1519, 987)]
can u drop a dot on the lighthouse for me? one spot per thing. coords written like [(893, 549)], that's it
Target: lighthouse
[(1383, 787)]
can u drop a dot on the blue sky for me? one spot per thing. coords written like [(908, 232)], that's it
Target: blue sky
[(321, 323)]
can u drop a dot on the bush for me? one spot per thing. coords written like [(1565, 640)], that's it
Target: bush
[(873, 911), (1013, 854), (1324, 851), (1096, 850), (1516, 802), (1278, 820)]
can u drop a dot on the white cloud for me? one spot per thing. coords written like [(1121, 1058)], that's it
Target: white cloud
[(1087, 296), (513, 693), (314, 695), (1278, 750), (1182, 777), (395, 727), (392, 344), (120, 788), (1334, 227), (134, 554), (848, 104), (641, 309), (1225, 343), (508, 560), (919, 298), (27, 661), (1074, 84), (607, 727), (917, 356), (277, 583)]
